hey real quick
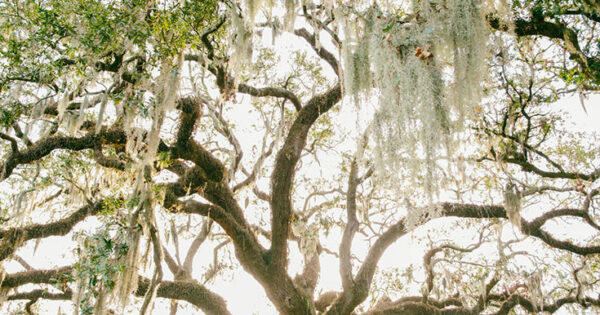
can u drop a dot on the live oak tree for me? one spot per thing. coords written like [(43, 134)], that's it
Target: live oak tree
[(429, 122)]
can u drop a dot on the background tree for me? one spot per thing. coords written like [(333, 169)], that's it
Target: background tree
[(132, 128)]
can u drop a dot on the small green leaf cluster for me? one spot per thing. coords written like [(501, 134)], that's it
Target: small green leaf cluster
[(99, 265), (10, 113), (111, 205)]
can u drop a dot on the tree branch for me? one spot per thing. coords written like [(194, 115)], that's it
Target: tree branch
[(322, 52), (43, 147), (528, 167), (349, 230), (13, 142), (12, 238), (189, 257), (190, 291), (271, 91), (560, 31), (40, 294), (283, 172)]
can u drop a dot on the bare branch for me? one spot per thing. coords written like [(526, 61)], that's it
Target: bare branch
[(22, 262), (13, 142), (271, 91), (177, 271), (189, 257), (322, 52), (12, 238)]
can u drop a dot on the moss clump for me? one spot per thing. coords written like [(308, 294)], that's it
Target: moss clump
[(426, 64)]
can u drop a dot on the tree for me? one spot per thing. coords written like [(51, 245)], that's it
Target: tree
[(121, 141)]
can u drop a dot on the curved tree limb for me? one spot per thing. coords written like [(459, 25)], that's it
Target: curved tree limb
[(190, 291), (283, 172), (271, 91), (43, 147), (11, 239), (207, 178), (35, 295)]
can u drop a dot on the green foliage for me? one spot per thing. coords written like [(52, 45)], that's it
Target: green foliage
[(164, 160), (99, 265), (42, 41), (10, 113), (111, 205)]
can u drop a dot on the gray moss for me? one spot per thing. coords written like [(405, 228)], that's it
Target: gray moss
[(425, 68)]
